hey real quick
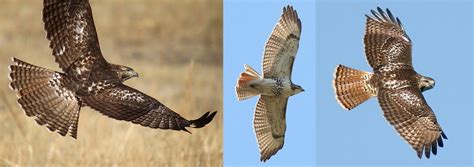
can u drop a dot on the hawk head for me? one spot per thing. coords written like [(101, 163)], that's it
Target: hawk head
[(123, 72), (426, 83), (296, 89)]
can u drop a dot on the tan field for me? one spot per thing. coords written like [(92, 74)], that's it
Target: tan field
[(175, 46)]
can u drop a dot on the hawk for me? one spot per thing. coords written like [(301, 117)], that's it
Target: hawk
[(395, 83), (275, 87), (55, 98)]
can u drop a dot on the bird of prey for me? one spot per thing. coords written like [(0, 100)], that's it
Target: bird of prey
[(55, 98), (275, 87), (395, 83)]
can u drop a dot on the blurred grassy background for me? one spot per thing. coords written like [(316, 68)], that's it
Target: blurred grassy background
[(175, 46)]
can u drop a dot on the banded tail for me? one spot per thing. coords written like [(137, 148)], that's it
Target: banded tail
[(243, 89), (352, 87), (44, 94)]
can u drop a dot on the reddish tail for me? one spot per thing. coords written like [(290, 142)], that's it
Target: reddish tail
[(352, 86), (243, 89)]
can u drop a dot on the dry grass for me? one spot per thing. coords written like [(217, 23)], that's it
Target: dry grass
[(176, 46)]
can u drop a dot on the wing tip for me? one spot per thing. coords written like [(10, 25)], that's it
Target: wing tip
[(419, 154), (267, 153), (431, 148), (203, 120), (288, 8), (384, 16), (290, 13), (444, 135)]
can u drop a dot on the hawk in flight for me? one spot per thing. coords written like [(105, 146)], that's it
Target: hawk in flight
[(395, 83), (275, 87), (55, 98)]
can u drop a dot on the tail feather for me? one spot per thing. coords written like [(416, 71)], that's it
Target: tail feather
[(352, 87), (243, 89), (44, 94)]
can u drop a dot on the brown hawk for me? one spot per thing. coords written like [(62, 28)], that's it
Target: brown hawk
[(394, 81), (275, 87), (55, 98)]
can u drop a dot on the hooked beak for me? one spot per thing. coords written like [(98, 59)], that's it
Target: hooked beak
[(135, 74), (426, 88)]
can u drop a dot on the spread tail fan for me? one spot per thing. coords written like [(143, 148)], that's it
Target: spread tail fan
[(44, 94), (243, 89), (352, 86)]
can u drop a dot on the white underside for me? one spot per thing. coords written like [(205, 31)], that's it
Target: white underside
[(264, 86)]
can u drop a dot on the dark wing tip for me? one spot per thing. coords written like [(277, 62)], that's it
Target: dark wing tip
[(440, 139), (184, 129), (434, 148), (287, 7), (375, 14), (390, 15), (380, 10), (419, 153), (264, 158), (203, 120), (74, 136), (440, 142), (385, 16), (444, 135), (427, 151), (400, 23), (290, 13)]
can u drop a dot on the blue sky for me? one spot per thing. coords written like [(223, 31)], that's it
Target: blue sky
[(441, 32), (247, 26)]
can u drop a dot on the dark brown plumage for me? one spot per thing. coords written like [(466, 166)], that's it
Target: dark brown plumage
[(396, 84), (55, 98)]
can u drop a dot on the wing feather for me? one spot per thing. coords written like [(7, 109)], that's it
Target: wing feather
[(386, 41), (270, 125), (71, 31), (407, 110), (282, 45), (125, 103)]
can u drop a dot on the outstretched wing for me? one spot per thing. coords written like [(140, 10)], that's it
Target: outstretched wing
[(281, 47), (386, 41), (407, 110), (45, 95), (71, 31), (125, 103), (270, 125)]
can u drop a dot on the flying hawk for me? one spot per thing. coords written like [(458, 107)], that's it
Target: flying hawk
[(275, 87), (55, 98), (394, 81)]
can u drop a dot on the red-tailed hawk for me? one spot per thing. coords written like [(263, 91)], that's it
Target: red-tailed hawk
[(275, 87), (55, 98), (396, 84)]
